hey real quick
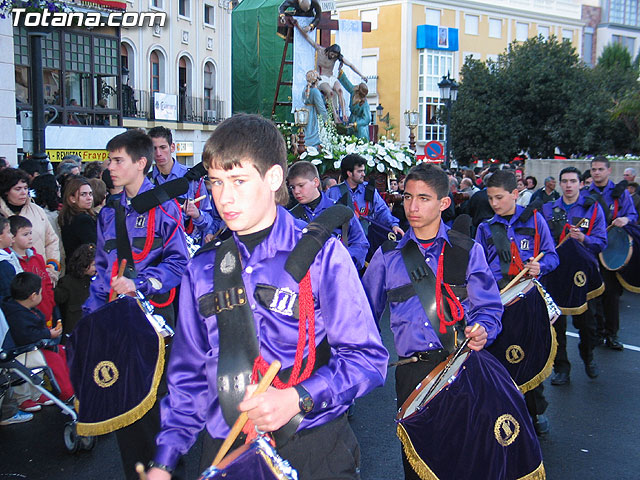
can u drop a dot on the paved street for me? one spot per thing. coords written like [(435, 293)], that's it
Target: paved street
[(594, 425)]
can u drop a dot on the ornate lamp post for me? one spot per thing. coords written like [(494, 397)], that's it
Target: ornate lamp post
[(411, 121), (301, 118), (448, 94)]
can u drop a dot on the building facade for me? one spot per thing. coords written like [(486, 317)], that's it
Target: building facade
[(415, 43)]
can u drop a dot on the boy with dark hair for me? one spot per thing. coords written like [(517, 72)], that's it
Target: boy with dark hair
[(9, 264), (515, 235), (202, 216), (304, 182), (368, 206), (584, 222), (620, 212), (246, 161), (417, 333), (32, 261), (156, 254)]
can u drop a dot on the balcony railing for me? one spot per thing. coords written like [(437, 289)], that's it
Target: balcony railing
[(372, 83), (139, 104)]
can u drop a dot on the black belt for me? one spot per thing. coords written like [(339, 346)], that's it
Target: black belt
[(426, 356)]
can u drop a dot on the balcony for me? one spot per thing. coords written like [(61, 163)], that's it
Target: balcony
[(372, 83), (139, 104)]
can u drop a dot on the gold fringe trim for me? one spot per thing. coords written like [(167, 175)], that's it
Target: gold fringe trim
[(421, 468), (583, 308), (595, 293), (425, 473), (537, 474), (548, 367), (133, 415), (627, 285)]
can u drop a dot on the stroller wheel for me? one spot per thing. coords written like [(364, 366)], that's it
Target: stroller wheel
[(71, 439), (87, 443)]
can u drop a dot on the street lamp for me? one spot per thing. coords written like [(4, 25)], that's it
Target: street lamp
[(301, 118), (411, 121), (448, 94)]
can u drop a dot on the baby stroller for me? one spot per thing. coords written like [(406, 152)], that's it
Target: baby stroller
[(13, 373)]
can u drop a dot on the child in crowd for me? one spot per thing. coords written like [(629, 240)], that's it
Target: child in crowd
[(9, 264), (73, 289), (27, 326), (31, 261)]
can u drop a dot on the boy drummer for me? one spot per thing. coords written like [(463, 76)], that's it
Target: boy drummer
[(522, 235), (415, 333), (246, 161)]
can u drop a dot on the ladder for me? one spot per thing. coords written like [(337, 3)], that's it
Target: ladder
[(288, 40)]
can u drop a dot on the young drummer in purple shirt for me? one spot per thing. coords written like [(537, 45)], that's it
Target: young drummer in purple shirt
[(246, 162), (160, 254), (304, 182), (425, 198), (503, 194)]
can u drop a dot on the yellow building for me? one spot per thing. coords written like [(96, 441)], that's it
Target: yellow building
[(414, 43)]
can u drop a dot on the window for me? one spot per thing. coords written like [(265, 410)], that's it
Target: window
[(567, 35), (370, 16), (157, 4), (433, 16), (522, 32), (369, 68), (474, 55), (495, 28), (629, 42), (432, 66), (209, 86), (544, 31), (623, 12), (492, 57), (155, 72), (184, 8), (471, 24), (209, 11), (21, 60)]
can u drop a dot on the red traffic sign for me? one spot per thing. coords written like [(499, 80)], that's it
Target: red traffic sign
[(434, 150)]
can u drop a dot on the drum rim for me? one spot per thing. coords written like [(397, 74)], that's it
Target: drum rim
[(626, 260), (524, 291), (423, 384)]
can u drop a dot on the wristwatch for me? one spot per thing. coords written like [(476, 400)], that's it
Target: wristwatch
[(305, 403)]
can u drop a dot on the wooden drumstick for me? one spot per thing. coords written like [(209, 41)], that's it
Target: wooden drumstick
[(141, 473), (517, 278), (242, 419), (123, 265), (567, 237)]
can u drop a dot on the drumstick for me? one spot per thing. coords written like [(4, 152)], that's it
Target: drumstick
[(123, 265), (202, 197), (517, 278), (242, 419), (141, 473), (567, 237)]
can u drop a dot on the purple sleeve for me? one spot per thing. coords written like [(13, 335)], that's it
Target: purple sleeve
[(100, 286), (627, 209), (596, 241), (358, 362), (483, 304), (183, 411), (550, 261), (334, 193), (374, 285), (358, 245)]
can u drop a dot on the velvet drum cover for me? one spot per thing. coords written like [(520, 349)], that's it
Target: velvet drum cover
[(526, 346), (477, 427), (115, 362)]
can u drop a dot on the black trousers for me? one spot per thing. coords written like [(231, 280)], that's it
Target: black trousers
[(328, 452), (536, 402), (586, 325), (407, 377), (610, 324)]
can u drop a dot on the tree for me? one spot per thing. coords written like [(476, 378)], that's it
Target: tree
[(615, 55)]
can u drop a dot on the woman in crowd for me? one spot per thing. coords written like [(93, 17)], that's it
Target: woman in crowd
[(14, 200), (77, 219)]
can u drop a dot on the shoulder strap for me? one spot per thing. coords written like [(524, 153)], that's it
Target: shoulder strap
[(345, 196), (369, 192), (424, 284), (299, 212), (123, 245), (503, 247)]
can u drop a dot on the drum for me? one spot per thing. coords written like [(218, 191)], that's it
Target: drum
[(526, 346), (618, 251), (576, 280), (629, 275), (474, 424), (116, 359), (257, 461)]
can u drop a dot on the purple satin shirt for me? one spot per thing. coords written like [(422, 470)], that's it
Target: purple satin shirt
[(165, 263), (596, 241), (358, 361), (410, 325), (625, 203), (378, 212), (523, 240)]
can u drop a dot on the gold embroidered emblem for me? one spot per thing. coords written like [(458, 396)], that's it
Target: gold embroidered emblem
[(506, 429), (105, 374), (514, 354), (580, 279), (584, 223)]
